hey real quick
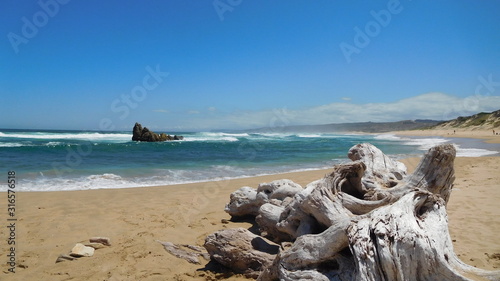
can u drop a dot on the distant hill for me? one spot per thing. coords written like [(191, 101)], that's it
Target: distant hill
[(478, 121), (367, 127)]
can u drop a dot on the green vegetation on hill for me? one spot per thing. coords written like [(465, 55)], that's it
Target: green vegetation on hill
[(481, 120)]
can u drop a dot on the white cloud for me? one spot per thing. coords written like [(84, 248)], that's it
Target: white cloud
[(435, 106), (193, 112), (346, 98), (212, 109), (161, 110)]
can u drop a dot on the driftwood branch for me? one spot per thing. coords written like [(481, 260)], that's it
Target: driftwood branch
[(241, 250), (366, 220)]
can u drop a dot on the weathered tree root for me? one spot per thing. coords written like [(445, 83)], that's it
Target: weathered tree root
[(407, 240), (189, 253), (367, 220), (241, 250)]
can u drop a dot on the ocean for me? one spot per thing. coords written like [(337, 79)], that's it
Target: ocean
[(48, 160)]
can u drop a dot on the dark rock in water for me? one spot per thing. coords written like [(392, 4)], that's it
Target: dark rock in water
[(137, 132), (144, 134)]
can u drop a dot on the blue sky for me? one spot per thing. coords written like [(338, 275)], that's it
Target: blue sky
[(192, 65)]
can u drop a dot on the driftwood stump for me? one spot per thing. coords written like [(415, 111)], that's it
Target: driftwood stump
[(366, 220)]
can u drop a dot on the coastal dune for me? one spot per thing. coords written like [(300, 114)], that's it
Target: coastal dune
[(135, 219)]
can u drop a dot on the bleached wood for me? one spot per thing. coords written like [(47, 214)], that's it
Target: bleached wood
[(366, 220), (241, 250), (267, 219), (247, 201), (381, 170)]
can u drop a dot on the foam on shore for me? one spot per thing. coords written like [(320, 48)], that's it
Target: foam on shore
[(465, 147)]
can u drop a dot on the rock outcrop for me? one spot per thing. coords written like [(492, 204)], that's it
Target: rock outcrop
[(144, 134)]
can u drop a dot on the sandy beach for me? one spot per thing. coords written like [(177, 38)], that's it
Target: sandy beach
[(486, 135), (51, 223)]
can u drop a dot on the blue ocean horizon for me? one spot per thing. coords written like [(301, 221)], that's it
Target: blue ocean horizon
[(56, 160)]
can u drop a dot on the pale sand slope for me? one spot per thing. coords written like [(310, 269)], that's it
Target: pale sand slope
[(50, 223)]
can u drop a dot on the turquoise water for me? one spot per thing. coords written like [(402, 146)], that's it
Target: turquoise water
[(73, 160)]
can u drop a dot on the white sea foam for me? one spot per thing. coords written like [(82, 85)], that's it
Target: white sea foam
[(53, 143), (473, 152), (210, 139), (68, 136), (421, 143), (236, 135), (103, 181), (299, 135), (275, 135), (426, 143), (41, 182), (214, 136), (18, 144), (390, 137), (11, 144), (309, 136), (221, 134)]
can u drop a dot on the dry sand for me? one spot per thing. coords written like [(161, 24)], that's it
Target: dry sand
[(486, 135), (50, 223)]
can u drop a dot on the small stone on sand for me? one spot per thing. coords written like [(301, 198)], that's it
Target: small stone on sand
[(103, 240), (95, 245), (80, 250), (64, 257)]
